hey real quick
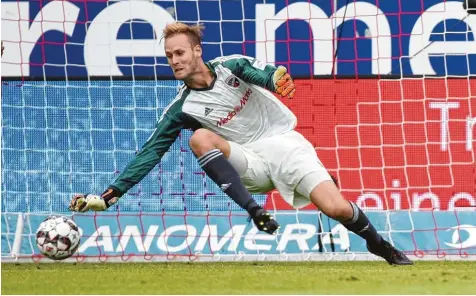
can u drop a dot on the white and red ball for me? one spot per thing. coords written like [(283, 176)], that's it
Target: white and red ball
[(58, 237)]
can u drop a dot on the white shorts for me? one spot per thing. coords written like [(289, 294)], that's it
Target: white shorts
[(286, 162)]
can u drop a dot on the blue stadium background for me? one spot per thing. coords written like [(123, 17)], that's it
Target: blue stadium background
[(65, 137)]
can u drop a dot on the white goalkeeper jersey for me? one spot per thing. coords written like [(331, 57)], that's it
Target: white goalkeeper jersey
[(238, 106)]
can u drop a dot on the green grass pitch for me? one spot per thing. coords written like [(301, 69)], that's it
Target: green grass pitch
[(240, 278)]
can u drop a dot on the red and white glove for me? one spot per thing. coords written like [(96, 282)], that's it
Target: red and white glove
[(85, 202), (283, 83)]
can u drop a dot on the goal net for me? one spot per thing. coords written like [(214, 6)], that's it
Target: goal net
[(385, 92)]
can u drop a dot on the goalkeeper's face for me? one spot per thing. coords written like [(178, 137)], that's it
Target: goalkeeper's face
[(182, 57)]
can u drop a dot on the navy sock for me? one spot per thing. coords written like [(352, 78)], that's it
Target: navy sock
[(360, 225), (220, 170)]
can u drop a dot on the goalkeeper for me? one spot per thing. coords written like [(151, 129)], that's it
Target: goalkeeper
[(244, 139)]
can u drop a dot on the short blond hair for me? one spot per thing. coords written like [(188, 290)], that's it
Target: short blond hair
[(194, 33)]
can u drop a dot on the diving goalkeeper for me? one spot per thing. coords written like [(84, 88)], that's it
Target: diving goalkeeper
[(244, 140)]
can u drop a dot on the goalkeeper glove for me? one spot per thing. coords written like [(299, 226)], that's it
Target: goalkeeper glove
[(283, 83), (263, 220), (86, 202)]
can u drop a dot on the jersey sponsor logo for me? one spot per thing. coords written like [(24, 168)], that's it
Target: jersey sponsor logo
[(208, 111), (232, 81), (236, 109)]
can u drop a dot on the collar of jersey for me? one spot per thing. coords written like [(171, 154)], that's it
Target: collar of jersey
[(205, 88), (213, 82)]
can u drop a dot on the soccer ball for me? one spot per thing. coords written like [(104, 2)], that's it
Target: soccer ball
[(58, 237)]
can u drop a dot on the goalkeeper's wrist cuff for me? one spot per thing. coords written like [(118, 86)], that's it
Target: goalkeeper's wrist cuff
[(111, 196)]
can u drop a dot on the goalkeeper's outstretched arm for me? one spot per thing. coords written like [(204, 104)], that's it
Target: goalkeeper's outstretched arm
[(165, 134)]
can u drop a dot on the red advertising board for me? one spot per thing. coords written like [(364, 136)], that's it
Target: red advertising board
[(393, 144)]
